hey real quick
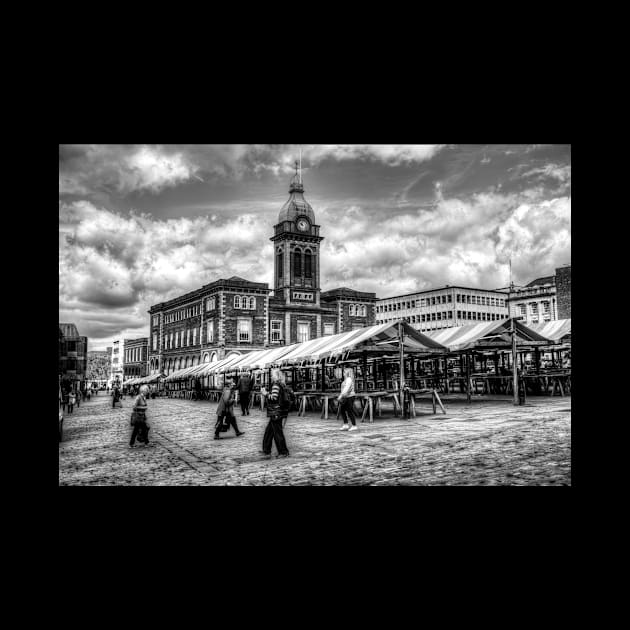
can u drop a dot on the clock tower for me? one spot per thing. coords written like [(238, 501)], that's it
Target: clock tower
[(296, 242)]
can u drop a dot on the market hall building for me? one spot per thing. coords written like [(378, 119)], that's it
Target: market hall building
[(236, 316)]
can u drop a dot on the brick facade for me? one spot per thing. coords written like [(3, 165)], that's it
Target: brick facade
[(72, 357), (563, 292)]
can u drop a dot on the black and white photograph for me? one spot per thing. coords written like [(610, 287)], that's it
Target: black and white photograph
[(314, 315)]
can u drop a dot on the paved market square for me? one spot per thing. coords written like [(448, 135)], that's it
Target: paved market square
[(486, 442)]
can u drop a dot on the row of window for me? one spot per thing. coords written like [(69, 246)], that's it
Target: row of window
[(133, 355), (444, 315), (242, 301), (182, 314), (358, 310), (482, 300), (183, 338), (533, 307), (179, 339)]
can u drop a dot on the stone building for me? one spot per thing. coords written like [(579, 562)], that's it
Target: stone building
[(563, 291), (236, 316), (72, 357), (117, 363), (443, 307), (543, 299), (136, 357)]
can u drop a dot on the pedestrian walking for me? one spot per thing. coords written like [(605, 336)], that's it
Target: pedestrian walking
[(244, 388), (225, 411), (115, 397), (139, 419), (71, 400), (278, 404), (64, 399), (346, 400)]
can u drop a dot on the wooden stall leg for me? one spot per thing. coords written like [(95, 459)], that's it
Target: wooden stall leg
[(371, 406), (437, 397), (396, 405), (365, 410), (433, 400), (378, 406), (413, 405)]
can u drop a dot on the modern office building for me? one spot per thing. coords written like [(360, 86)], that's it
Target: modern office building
[(443, 307)]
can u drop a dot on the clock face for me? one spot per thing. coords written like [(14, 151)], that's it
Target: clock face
[(302, 225)]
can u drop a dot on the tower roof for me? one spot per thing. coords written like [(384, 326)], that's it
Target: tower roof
[(296, 204)]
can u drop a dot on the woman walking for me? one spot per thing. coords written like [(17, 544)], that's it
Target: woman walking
[(346, 400), (226, 409), (139, 419)]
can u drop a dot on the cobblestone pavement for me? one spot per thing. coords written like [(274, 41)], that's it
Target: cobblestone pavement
[(487, 442)]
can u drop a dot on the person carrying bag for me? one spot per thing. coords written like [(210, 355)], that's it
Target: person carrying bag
[(139, 419), (225, 412)]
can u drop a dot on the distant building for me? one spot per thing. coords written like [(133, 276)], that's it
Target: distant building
[(72, 357), (117, 362), (443, 307), (136, 357), (543, 299)]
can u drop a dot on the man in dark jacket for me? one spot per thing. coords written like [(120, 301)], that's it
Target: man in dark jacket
[(244, 387), (277, 411), (225, 409)]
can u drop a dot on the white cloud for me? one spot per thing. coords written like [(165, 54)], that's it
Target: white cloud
[(561, 173), (150, 169), (121, 169)]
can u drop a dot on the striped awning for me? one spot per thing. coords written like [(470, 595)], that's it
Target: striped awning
[(484, 335), (153, 378), (557, 330), (383, 338), (182, 374), (218, 366)]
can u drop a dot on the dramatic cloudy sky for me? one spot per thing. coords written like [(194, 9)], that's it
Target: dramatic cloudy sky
[(139, 224)]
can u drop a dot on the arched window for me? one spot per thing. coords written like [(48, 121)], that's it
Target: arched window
[(351, 310), (206, 358), (252, 303), (237, 301), (280, 264), (364, 311), (194, 361), (297, 262), (308, 264)]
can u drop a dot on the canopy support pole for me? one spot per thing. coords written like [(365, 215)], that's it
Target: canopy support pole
[(468, 379), (514, 365)]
